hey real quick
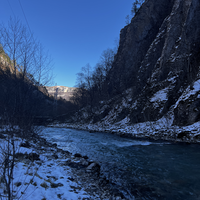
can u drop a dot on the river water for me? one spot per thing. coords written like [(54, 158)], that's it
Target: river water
[(141, 168)]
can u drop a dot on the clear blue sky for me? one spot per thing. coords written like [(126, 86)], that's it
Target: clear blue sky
[(75, 32)]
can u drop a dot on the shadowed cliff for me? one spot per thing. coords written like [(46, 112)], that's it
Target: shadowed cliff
[(156, 69)]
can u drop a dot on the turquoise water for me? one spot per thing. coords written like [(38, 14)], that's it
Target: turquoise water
[(141, 168)]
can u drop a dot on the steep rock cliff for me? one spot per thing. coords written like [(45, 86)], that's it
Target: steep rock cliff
[(156, 70), (159, 59), (135, 40)]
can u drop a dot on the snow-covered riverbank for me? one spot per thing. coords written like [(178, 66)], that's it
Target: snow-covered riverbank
[(43, 171)]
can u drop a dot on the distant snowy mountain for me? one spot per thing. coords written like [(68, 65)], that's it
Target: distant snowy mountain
[(61, 91)]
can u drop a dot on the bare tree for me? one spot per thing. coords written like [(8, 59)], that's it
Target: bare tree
[(28, 56), (87, 71), (43, 71), (84, 83), (106, 62), (107, 59), (27, 52), (98, 78), (94, 83), (127, 19)]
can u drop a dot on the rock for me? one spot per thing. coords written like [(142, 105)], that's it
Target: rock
[(54, 145), (183, 134), (25, 144), (21, 156), (77, 155), (52, 177), (85, 157), (197, 137), (44, 185), (93, 168), (55, 156), (84, 163), (60, 150), (71, 179), (77, 165), (55, 185), (59, 196), (17, 184), (33, 156), (66, 152)]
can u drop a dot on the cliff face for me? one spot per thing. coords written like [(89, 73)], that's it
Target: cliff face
[(157, 67), (135, 40), (159, 59), (5, 62)]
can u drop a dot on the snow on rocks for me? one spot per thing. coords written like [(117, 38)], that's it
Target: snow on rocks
[(189, 92), (160, 96), (93, 167)]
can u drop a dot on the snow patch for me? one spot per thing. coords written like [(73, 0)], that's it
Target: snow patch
[(172, 79), (189, 91), (160, 96), (125, 120), (134, 104)]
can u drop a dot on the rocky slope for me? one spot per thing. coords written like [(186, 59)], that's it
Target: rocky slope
[(61, 91), (156, 70)]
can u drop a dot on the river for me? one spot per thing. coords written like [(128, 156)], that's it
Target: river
[(147, 169)]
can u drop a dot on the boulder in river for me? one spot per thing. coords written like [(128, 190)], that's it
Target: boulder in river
[(93, 168)]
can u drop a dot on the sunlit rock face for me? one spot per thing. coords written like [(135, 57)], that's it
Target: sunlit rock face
[(61, 91), (159, 58)]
